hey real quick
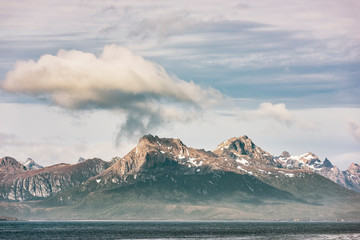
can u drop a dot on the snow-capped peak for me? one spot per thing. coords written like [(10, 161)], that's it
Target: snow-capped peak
[(30, 164)]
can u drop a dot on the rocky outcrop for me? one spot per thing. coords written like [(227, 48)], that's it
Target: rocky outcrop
[(41, 183)]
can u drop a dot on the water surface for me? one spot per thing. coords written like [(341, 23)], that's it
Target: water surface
[(178, 230)]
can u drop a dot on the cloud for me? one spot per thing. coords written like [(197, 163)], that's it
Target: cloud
[(354, 128), (277, 112), (163, 27), (118, 79), (6, 139)]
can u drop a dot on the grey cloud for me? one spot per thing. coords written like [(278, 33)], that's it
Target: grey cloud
[(138, 123)]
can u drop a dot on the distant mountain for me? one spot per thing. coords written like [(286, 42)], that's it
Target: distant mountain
[(352, 177), (31, 164), (19, 184), (10, 165), (162, 178), (349, 178)]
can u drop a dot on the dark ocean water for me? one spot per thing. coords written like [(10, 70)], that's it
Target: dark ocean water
[(178, 230)]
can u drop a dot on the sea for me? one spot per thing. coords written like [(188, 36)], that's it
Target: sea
[(177, 230)]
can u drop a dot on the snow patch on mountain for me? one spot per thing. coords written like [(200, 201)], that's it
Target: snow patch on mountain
[(30, 164), (242, 161), (310, 161)]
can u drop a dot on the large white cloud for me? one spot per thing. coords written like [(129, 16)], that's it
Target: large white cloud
[(117, 79), (75, 79)]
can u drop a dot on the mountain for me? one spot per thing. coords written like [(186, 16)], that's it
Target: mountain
[(31, 164), (154, 154), (162, 178), (19, 184), (349, 178), (10, 165), (352, 177)]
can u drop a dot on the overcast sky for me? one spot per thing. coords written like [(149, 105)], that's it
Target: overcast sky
[(88, 78)]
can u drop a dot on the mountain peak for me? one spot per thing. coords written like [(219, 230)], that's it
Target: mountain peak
[(155, 153), (308, 160), (149, 143), (327, 163), (285, 154), (9, 164), (30, 164), (233, 142), (240, 146), (354, 168), (157, 141)]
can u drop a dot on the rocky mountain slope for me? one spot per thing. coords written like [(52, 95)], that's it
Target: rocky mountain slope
[(18, 183), (309, 161)]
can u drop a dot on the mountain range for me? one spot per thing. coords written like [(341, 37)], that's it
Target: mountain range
[(162, 178)]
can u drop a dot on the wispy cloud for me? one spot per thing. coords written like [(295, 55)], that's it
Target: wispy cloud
[(277, 112), (8, 139), (117, 79), (282, 115), (354, 128)]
